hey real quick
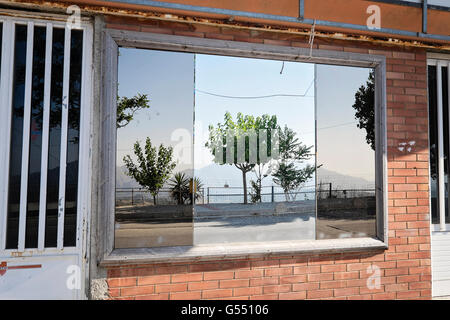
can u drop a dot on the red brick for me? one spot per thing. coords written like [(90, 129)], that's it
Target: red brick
[(395, 75), (263, 281), (420, 270), (278, 272), (360, 297), (408, 295), (318, 294), (292, 295), (405, 172), (356, 283), (273, 296), (236, 283), (408, 278), (114, 292), (346, 275), (276, 288), (171, 269), (328, 47), (220, 275), (408, 216), (185, 295), (345, 292), (356, 50), (333, 268), (265, 264), (122, 282), (250, 291), (384, 296), (403, 203), (293, 279), (154, 279), (417, 179), (387, 53), (219, 293), (187, 277), (396, 287), (320, 277), (203, 285), (405, 187), (418, 209), (160, 296), (256, 273), (305, 286), (403, 55), (175, 287), (219, 36), (358, 266), (332, 284), (306, 269), (134, 291), (404, 68), (276, 42)]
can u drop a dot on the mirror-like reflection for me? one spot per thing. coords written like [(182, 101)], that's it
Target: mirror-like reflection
[(445, 116), (154, 174), (433, 132), (73, 138), (275, 159), (346, 205), (254, 150)]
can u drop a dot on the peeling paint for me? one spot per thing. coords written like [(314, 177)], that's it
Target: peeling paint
[(231, 22)]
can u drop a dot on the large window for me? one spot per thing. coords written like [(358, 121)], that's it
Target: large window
[(218, 149)]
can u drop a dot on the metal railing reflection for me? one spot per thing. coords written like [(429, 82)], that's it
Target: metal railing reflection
[(140, 196)]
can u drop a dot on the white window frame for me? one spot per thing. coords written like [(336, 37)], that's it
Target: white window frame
[(9, 18), (440, 60), (112, 39)]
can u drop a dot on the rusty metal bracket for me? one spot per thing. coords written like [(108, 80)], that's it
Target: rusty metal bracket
[(424, 16), (311, 38), (301, 9)]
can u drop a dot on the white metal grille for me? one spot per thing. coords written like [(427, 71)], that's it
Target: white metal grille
[(8, 54)]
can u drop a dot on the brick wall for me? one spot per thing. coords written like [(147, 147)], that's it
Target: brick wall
[(405, 267)]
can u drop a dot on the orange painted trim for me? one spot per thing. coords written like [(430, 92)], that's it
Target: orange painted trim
[(4, 267), (355, 12)]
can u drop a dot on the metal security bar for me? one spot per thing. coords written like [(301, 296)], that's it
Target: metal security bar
[(42, 95), (45, 134), (64, 125), (26, 137)]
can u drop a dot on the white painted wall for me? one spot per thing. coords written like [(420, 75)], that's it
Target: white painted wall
[(58, 278), (440, 263)]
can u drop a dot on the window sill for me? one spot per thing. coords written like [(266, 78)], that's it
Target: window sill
[(238, 251)]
